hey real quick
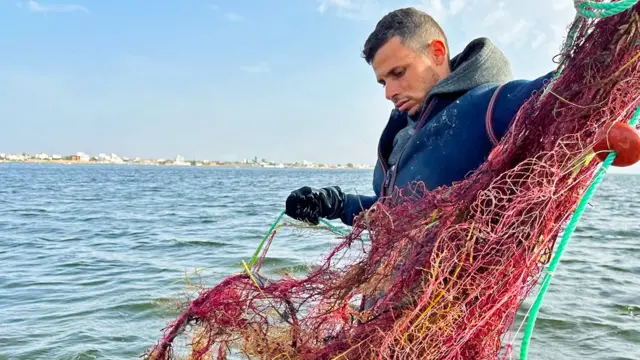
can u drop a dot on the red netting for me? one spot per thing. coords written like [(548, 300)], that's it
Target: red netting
[(446, 269)]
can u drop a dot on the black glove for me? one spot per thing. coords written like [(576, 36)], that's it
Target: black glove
[(310, 204)]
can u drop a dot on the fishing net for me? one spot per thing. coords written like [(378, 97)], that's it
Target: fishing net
[(438, 274)]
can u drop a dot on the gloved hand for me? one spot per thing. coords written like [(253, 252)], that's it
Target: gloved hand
[(310, 204)]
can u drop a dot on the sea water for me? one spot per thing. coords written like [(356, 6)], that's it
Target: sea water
[(93, 257)]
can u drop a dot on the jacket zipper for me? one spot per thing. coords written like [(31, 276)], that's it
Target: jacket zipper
[(384, 172), (390, 182)]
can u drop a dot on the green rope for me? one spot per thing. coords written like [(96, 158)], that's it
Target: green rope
[(600, 10), (254, 258), (565, 239), (591, 9), (333, 227)]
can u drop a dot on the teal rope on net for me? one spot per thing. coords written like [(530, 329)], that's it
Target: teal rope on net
[(563, 243), (593, 10), (600, 10), (254, 258)]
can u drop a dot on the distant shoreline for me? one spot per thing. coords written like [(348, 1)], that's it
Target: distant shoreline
[(217, 165), (211, 165)]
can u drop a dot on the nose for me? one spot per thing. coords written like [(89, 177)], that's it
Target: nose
[(391, 91)]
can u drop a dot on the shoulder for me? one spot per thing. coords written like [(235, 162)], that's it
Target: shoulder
[(478, 97), (511, 94), (520, 90), (514, 88)]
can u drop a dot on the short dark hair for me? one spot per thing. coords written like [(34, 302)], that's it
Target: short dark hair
[(414, 27)]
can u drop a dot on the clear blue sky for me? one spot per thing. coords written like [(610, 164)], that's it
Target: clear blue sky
[(225, 80)]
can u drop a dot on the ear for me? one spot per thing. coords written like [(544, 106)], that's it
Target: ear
[(439, 52)]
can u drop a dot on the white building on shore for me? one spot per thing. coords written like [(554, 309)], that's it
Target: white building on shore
[(83, 157), (180, 161)]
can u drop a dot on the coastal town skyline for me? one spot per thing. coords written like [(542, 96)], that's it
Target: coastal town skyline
[(179, 160)]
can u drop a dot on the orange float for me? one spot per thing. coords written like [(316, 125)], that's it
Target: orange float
[(624, 140)]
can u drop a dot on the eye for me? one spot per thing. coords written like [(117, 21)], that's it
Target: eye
[(398, 73)]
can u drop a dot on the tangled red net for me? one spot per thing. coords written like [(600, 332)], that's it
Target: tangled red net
[(446, 269)]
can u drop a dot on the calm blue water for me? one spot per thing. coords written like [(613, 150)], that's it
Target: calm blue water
[(92, 256)]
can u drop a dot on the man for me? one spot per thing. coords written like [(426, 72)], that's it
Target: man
[(448, 116)]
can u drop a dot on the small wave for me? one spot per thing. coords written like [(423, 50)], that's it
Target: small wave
[(273, 261), (626, 233), (87, 355), (29, 214), (294, 269), (78, 264), (35, 210), (135, 307), (202, 243), (629, 334), (617, 268), (628, 309), (571, 325), (95, 282)]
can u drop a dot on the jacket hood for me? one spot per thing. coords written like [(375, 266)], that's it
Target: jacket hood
[(480, 62)]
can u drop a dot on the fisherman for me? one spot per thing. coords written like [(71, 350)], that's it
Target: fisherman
[(449, 113)]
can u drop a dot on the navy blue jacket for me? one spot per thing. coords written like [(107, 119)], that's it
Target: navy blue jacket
[(454, 136)]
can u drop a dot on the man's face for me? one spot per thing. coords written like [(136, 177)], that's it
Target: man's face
[(407, 75)]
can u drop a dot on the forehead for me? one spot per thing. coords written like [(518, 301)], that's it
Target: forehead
[(393, 53)]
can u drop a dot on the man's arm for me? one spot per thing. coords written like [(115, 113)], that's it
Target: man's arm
[(509, 100), (354, 204)]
